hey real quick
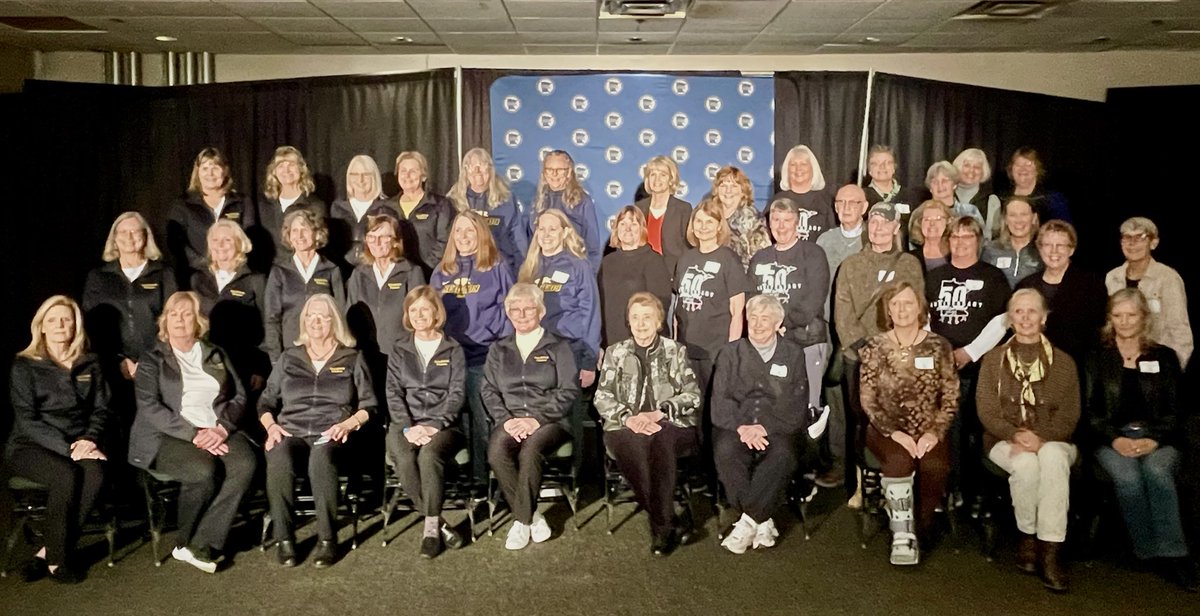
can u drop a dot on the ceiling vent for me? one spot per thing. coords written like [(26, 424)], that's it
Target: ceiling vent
[(643, 9), (1008, 9)]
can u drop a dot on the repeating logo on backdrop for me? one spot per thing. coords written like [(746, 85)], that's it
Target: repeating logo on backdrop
[(647, 137), (680, 87), (582, 172), (745, 155), (512, 104), (613, 154), (613, 120), (512, 138), (614, 189), (579, 137), (514, 173), (679, 120), (745, 88), (613, 86), (713, 104), (545, 87), (647, 103), (710, 171), (579, 102), (544, 151), (545, 120), (745, 121), (679, 154), (682, 191), (712, 137)]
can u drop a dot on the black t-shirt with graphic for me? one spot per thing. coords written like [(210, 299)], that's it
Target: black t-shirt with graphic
[(962, 301), (704, 283), (816, 212), (799, 278)]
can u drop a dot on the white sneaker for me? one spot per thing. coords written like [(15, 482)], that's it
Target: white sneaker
[(539, 530), (518, 536), (764, 536), (183, 554), (742, 535)]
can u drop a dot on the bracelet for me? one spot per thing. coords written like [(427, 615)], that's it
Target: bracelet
[(361, 423)]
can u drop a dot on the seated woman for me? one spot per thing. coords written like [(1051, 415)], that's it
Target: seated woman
[(190, 403), (530, 384), (909, 390), (650, 402), (759, 407), (60, 416), (1028, 402), (319, 393), (294, 279), (426, 387), (1161, 284), (1134, 404)]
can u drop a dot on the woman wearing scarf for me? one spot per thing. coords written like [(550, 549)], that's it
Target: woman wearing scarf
[(1028, 402)]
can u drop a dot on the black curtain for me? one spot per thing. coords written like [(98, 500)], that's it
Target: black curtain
[(824, 111)]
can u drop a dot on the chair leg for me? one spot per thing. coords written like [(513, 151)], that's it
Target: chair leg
[(18, 524), (803, 509), (354, 523), (388, 510), (110, 534), (266, 527), (471, 518)]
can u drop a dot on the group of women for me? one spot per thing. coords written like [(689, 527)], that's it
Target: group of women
[(705, 331)]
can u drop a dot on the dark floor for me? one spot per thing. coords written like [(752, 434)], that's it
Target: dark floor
[(590, 572)]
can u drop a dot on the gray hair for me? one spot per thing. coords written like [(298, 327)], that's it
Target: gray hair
[(526, 290), (974, 155), (941, 167), (766, 302), (783, 204), (1140, 224)]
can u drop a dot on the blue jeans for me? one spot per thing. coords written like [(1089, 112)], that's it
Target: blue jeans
[(1146, 492)]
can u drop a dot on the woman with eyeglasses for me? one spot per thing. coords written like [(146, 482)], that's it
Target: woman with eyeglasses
[(348, 217), (1026, 171), (479, 189), (1162, 286), (559, 189), (929, 234)]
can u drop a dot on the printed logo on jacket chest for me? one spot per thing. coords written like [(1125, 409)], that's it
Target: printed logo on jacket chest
[(460, 287), (803, 228), (954, 302)]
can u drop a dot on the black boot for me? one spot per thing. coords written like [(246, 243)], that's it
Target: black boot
[(325, 554), (1054, 576), (664, 542), (1027, 553), (287, 553), (1181, 572)]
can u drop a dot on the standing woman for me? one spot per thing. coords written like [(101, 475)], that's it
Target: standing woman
[(941, 179), (975, 187), (473, 280), (233, 298), (633, 267), (293, 281), (480, 190), (288, 187), (804, 183), (1026, 171), (929, 233), (710, 288), (348, 217), (883, 186), (319, 393), (124, 297), (909, 389), (747, 227), (190, 405), (425, 217), (664, 214), (210, 197), (1162, 286), (376, 291), (558, 266), (426, 379), (1014, 251), (559, 189), (60, 415)]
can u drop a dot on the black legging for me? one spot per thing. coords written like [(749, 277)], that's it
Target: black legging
[(322, 477), (73, 487), (518, 466), (422, 468), (211, 487)]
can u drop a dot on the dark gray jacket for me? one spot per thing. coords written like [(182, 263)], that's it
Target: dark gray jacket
[(306, 402), (55, 406), (286, 294), (747, 390), (376, 315), (430, 394), (544, 386)]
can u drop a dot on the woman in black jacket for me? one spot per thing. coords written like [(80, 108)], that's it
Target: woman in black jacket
[(293, 281), (319, 393), (190, 403), (631, 268), (288, 187), (426, 387), (60, 414), (1134, 410), (425, 217), (530, 385), (377, 289), (349, 217), (210, 197)]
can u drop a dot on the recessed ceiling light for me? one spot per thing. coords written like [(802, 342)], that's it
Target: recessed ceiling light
[(636, 39), (165, 39), (401, 39), (870, 39)]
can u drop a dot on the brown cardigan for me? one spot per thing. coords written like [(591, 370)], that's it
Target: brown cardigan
[(997, 397)]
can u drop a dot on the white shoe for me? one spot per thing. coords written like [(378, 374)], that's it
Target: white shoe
[(904, 549), (539, 530), (183, 554), (742, 535), (764, 536), (518, 537)]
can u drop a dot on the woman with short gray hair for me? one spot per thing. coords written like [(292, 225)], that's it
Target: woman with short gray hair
[(1162, 286), (941, 180)]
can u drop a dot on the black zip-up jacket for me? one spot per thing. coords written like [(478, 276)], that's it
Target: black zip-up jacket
[(268, 235), (286, 294), (748, 391), (306, 402), (159, 388), (1159, 390), (422, 394), (55, 406), (376, 315), (122, 316), (427, 231), (543, 387), (188, 222), (347, 233), (235, 317)]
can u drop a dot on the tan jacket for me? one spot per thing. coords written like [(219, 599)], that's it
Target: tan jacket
[(1163, 288)]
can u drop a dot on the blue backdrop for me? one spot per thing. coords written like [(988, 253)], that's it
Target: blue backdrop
[(613, 123)]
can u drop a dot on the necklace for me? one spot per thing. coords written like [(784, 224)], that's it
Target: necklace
[(1129, 357), (905, 349)]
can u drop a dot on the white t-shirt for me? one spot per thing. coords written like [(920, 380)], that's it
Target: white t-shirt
[(306, 272), (381, 277), (132, 273), (360, 208), (285, 203), (426, 348), (224, 278), (200, 389)]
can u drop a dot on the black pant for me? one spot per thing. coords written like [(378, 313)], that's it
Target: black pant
[(322, 477), (518, 466), (422, 469), (73, 487), (211, 487), (856, 421), (649, 465), (755, 481)]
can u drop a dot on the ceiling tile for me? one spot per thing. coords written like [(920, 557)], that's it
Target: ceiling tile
[(555, 24), (296, 8), (470, 25), (617, 38), (804, 11), (921, 9), (174, 25), (341, 8), (323, 38), (706, 50), (299, 24), (384, 24), (578, 50), (450, 9), (633, 25), (633, 50), (93, 8), (386, 38), (557, 38), (551, 8), (811, 26)]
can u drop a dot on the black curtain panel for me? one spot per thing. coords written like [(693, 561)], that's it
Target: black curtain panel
[(824, 111)]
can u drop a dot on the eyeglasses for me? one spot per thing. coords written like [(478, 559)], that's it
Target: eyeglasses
[(963, 236), (557, 170), (1134, 238), (523, 311), (1055, 247), (318, 318), (939, 219), (380, 239)]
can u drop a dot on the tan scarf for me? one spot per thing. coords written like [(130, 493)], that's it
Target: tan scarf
[(1028, 374)]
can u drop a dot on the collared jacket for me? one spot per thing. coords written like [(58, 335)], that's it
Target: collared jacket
[(426, 394), (55, 406), (474, 301), (674, 229), (122, 316), (1158, 379), (508, 222), (235, 317), (306, 402), (572, 304), (188, 222), (747, 390), (1016, 264), (376, 314), (856, 293), (427, 231), (159, 390), (348, 232), (267, 236), (1163, 288), (543, 386), (286, 293), (582, 217), (623, 384)]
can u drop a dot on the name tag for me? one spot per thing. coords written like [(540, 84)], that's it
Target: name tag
[(87, 378), (886, 275), (901, 208), (712, 267), (1004, 262), (779, 370), (236, 293), (764, 269), (923, 363), (541, 359), (1155, 305), (422, 216), (395, 286), (149, 286), (324, 282), (233, 215), (441, 362), (1148, 367), (560, 277), (337, 369)]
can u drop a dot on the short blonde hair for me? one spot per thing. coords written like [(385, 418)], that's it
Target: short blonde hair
[(150, 251), (526, 290), (662, 162), (974, 155), (284, 152), (37, 342), (199, 328), (941, 167), (341, 333), (1140, 224), (372, 168), (769, 303), (713, 209), (422, 164), (425, 292), (205, 155), (314, 222), (1032, 293), (818, 178), (629, 211), (915, 235), (243, 243)]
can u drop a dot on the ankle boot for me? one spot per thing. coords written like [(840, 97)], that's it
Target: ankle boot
[(1027, 553), (899, 494), (1054, 576)]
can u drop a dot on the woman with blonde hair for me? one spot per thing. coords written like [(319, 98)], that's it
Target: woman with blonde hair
[(288, 187), (929, 234), (348, 217), (665, 215), (60, 419), (633, 267), (376, 290), (748, 232), (559, 189), (1014, 251), (481, 190), (210, 197), (803, 182), (425, 216)]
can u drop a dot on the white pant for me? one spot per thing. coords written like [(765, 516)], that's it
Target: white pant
[(1041, 487)]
